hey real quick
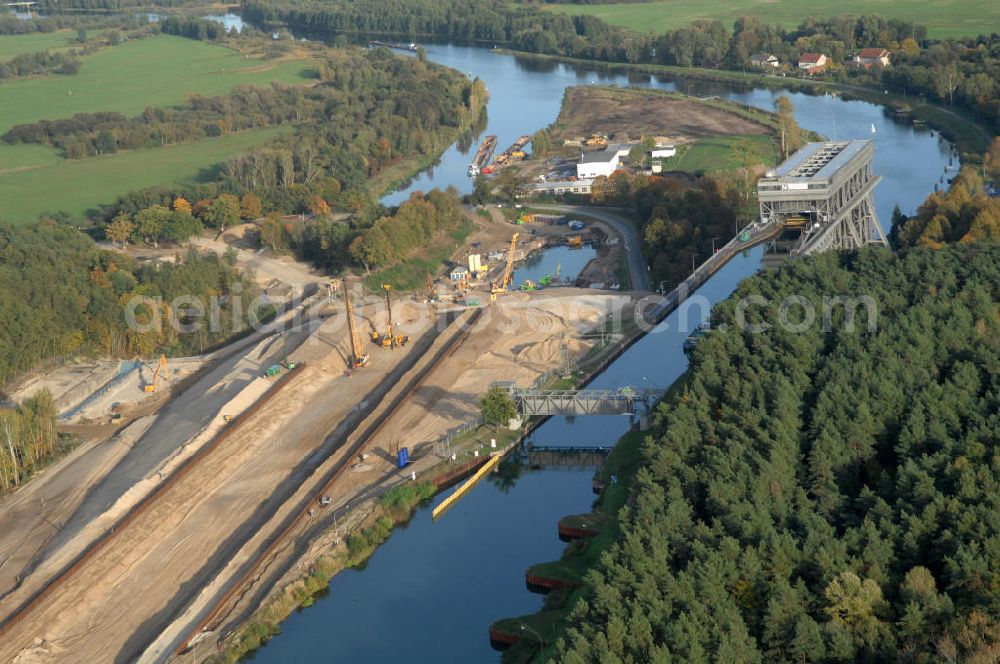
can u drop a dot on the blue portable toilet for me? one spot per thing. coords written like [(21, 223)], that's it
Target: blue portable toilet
[(403, 457)]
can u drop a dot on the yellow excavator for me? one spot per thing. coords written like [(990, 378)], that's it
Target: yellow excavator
[(389, 340), (161, 370), (358, 356), (500, 286)]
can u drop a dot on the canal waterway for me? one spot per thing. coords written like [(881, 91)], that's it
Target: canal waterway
[(430, 593)]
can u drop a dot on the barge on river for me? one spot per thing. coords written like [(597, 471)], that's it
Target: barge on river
[(512, 154), (483, 155)]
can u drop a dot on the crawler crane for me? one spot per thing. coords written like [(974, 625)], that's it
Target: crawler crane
[(389, 339), (500, 287), (358, 356)]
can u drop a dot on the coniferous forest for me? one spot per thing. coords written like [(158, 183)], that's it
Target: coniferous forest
[(814, 495)]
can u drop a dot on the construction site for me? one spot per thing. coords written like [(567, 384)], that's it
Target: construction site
[(202, 484)]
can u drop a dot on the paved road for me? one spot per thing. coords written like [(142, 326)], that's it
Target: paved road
[(638, 273)]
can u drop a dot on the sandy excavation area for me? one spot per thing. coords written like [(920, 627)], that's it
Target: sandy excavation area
[(519, 340), (92, 391), (117, 602), (120, 601)]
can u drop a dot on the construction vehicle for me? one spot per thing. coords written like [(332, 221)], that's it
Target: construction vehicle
[(227, 418), (500, 287), (431, 295), (575, 241), (161, 370), (389, 339), (596, 141), (358, 356), (272, 371)]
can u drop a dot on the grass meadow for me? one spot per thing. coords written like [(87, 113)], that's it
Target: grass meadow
[(160, 71)]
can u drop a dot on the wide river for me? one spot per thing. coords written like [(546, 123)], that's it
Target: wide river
[(430, 593)]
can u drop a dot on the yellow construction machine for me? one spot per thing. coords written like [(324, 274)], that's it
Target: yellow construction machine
[(161, 370), (500, 286), (358, 356), (389, 339)]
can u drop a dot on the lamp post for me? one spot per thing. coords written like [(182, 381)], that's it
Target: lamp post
[(693, 256), (713, 243), (541, 641)]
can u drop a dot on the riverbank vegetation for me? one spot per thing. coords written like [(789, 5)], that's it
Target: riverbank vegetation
[(963, 213), (395, 506)]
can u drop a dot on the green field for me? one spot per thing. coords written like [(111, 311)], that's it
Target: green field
[(716, 153), (943, 18), (128, 78), (11, 45), (159, 71), (76, 185)]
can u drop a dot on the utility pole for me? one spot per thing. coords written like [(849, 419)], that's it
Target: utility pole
[(693, 256)]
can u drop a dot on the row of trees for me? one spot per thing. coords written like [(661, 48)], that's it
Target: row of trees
[(820, 493), (181, 220), (193, 28), (12, 25), (370, 110), (28, 439), (960, 71)]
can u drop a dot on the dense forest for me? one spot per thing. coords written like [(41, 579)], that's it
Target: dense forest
[(956, 71), (61, 295), (820, 494)]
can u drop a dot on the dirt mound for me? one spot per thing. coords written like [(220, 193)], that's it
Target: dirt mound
[(618, 112)]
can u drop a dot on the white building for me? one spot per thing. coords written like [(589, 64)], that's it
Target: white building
[(813, 62), (663, 153), (764, 61), (595, 164), (560, 187)]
